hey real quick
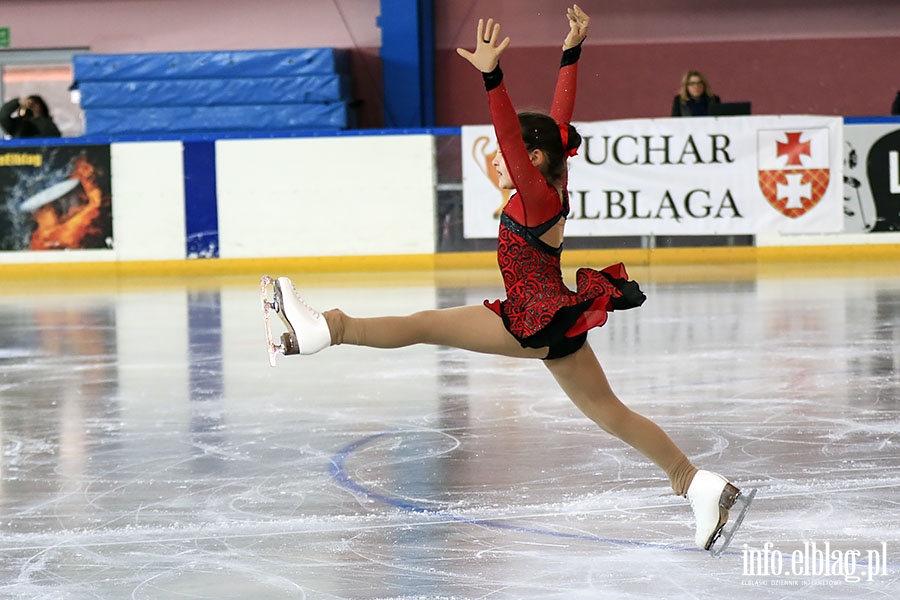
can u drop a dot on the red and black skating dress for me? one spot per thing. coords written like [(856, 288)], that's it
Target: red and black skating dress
[(539, 309)]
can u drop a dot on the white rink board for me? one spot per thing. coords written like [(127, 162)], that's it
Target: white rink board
[(344, 196), (335, 196), (148, 200)]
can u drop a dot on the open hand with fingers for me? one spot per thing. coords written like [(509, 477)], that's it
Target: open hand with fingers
[(488, 47), (578, 26)]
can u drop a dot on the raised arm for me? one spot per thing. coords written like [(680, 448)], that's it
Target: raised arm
[(528, 180), (563, 106), (538, 199), (7, 122), (487, 53)]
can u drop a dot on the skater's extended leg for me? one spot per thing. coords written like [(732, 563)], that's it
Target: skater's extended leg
[(582, 378), (711, 495), (475, 328)]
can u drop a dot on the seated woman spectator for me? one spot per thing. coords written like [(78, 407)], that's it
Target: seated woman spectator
[(28, 118), (695, 96)]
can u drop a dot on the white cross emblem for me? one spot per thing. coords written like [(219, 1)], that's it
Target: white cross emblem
[(794, 190)]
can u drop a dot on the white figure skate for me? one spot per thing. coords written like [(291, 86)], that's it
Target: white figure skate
[(307, 332), (711, 497)]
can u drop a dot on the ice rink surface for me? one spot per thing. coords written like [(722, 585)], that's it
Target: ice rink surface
[(150, 452)]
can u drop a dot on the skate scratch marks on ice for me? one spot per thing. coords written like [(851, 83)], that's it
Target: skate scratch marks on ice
[(339, 474)]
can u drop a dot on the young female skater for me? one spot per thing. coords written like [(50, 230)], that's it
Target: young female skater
[(540, 318)]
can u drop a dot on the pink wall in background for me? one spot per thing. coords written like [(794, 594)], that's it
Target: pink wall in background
[(540, 22), (786, 56), (117, 26), (833, 57), (847, 77)]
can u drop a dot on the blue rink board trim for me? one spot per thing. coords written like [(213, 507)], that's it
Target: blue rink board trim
[(201, 214), (231, 135), (251, 135), (870, 120)]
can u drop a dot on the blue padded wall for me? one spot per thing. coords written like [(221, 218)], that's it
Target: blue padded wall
[(217, 91), (216, 119), (312, 89), (211, 65)]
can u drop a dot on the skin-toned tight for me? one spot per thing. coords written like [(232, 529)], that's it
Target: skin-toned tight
[(479, 329)]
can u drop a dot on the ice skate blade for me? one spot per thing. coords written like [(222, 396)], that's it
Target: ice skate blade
[(289, 343), (723, 538), (269, 305)]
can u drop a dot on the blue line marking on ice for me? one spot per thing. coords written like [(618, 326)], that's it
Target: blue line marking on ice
[(339, 473)]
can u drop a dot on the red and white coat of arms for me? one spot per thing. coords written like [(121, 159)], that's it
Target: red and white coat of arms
[(793, 168)]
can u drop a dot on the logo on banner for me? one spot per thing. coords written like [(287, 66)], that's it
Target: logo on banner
[(793, 168), (483, 153)]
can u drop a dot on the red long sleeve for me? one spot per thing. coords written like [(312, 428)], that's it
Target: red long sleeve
[(535, 201), (564, 94)]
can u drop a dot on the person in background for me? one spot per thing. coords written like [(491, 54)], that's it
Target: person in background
[(695, 96), (28, 118), (895, 107)]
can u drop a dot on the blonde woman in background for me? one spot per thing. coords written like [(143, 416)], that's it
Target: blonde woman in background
[(695, 96)]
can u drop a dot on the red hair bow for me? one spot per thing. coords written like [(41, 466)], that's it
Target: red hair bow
[(564, 134)]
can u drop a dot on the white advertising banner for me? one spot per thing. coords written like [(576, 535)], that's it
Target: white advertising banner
[(697, 176)]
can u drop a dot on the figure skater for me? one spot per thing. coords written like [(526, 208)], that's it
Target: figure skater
[(541, 318)]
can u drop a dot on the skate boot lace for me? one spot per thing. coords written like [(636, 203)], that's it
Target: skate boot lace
[(303, 302)]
